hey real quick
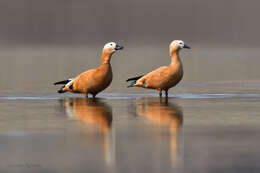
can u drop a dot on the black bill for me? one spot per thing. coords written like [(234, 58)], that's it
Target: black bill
[(186, 46), (118, 47)]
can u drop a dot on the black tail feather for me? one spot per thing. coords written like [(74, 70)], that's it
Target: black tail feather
[(132, 84), (134, 78), (61, 90), (62, 82)]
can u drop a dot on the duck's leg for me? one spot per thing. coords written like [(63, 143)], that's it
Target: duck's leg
[(166, 93)]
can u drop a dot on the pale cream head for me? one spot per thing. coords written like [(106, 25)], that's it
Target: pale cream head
[(111, 47), (177, 45), (108, 50)]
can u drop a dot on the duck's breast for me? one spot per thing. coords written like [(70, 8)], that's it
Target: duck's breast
[(174, 77), (102, 79)]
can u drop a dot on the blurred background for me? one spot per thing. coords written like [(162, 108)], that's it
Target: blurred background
[(204, 127), (45, 41)]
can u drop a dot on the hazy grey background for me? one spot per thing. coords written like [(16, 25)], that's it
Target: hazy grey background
[(42, 41)]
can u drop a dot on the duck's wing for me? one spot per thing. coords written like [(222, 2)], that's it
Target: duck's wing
[(153, 76), (160, 72), (92, 78), (63, 82), (134, 78)]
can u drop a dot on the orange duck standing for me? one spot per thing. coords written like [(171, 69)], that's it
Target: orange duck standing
[(165, 77), (95, 80)]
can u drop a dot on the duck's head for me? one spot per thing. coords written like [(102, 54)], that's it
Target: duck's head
[(177, 45), (112, 47)]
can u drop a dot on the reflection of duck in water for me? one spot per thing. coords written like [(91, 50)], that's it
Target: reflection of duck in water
[(163, 114), (89, 111), (93, 111)]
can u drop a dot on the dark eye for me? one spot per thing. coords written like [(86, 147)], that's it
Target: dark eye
[(111, 44)]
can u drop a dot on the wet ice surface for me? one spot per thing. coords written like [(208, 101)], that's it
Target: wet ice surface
[(130, 133)]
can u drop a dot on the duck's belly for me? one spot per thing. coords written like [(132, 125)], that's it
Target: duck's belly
[(94, 89), (170, 82)]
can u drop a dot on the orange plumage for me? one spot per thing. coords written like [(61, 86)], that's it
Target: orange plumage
[(164, 77), (95, 80)]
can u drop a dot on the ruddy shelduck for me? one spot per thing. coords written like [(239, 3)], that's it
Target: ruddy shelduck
[(164, 77), (95, 80)]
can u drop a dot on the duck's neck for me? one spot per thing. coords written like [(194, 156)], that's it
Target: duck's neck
[(175, 57), (105, 57)]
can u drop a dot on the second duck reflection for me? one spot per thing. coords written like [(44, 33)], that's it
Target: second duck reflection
[(157, 111), (161, 113)]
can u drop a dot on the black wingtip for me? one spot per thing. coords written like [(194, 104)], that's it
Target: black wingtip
[(62, 82), (134, 78)]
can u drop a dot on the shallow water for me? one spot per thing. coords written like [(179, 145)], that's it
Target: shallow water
[(210, 124), (130, 133)]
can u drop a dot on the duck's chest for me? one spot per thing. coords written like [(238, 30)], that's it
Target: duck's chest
[(103, 79), (107, 75), (175, 76)]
